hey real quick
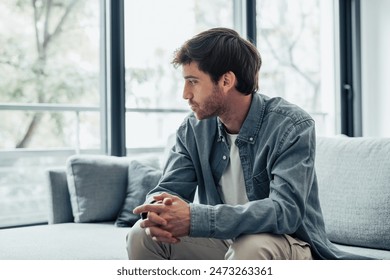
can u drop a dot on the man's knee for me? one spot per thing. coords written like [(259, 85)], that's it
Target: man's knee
[(264, 246), (134, 240)]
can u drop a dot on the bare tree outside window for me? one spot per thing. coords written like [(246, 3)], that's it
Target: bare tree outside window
[(291, 41), (49, 54)]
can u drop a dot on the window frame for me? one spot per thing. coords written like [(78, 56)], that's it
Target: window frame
[(350, 68)]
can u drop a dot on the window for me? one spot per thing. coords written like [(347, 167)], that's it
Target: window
[(296, 41), (154, 104), (49, 97)]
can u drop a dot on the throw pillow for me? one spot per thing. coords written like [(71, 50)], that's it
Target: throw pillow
[(142, 178), (97, 186)]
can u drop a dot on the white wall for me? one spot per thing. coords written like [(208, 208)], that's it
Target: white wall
[(375, 38)]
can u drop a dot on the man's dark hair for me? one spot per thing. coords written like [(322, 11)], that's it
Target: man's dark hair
[(220, 50)]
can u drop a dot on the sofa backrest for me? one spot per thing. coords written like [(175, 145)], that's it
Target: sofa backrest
[(354, 188)]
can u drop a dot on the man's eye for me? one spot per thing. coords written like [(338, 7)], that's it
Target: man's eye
[(192, 82)]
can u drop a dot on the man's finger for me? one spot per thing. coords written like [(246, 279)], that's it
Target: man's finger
[(167, 201), (158, 232), (159, 235), (153, 220), (172, 240), (157, 208), (162, 196)]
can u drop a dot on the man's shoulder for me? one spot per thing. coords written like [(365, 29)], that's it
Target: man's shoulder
[(280, 107)]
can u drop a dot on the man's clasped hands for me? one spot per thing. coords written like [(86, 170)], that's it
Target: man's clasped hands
[(168, 218)]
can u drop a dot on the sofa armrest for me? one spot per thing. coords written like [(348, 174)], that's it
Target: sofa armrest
[(60, 209)]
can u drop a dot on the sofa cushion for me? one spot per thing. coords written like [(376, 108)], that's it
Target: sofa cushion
[(354, 188), (141, 179), (376, 254), (97, 186)]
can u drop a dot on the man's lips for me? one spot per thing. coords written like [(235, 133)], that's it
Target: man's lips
[(192, 105)]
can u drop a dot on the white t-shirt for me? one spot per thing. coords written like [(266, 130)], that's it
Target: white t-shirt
[(232, 183)]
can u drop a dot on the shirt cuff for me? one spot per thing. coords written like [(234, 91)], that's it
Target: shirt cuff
[(202, 220)]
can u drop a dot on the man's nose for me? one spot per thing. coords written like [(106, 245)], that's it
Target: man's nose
[(186, 93)]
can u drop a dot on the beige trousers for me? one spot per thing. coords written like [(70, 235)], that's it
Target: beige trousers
[(264, 246)]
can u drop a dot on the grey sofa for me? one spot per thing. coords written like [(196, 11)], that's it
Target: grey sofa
[(86, 197)]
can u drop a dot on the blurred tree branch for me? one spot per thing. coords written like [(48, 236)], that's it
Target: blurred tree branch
[(289, 43), (43, 13)]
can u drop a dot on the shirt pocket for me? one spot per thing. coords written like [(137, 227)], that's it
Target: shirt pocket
[(261, 183)]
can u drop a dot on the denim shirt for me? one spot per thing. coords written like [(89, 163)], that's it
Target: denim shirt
[(276, 145)]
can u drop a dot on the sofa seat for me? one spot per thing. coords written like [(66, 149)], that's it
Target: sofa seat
[(67, 241), (368, 252), (82, 243)]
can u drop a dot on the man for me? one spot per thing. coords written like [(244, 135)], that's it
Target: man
[(248, 158)]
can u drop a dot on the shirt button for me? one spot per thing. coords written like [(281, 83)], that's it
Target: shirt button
[(251, 139), (224, 157)]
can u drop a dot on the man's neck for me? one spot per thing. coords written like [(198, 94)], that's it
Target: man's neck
[(237, 109)]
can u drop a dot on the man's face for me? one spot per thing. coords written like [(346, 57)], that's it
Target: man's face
[(203, 95)]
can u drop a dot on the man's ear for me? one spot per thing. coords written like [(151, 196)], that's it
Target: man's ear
[(228, 80)]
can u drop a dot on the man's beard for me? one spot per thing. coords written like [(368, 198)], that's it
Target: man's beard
[(211, 107)]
